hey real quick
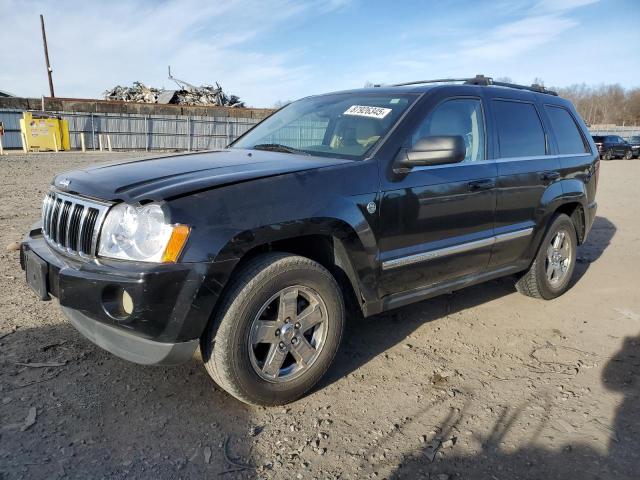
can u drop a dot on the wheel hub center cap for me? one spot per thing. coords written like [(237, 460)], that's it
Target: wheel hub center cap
[(287, 331)]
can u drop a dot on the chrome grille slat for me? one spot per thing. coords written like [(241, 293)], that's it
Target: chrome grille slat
[(62, 223), (72, 223), (47, 213), (55, 227), (83, 222), (67, 230)]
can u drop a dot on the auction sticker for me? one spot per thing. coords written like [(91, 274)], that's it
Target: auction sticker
[(365, 111)]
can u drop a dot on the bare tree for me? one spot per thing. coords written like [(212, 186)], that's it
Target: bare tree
[(604, 104)]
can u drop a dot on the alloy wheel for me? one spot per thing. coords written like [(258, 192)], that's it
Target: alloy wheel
[(288, 334), (559, 258)]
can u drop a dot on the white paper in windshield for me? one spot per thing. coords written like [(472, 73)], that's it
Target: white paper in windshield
[(365, 111)]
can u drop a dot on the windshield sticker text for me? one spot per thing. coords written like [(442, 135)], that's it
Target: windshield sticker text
[(365, 111)]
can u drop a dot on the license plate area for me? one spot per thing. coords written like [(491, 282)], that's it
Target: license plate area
[(36, 270)]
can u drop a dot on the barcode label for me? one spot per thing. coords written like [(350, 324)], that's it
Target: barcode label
[(364, 111)]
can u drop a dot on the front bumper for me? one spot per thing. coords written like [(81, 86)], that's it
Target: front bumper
[(172, 303), (130, 346)]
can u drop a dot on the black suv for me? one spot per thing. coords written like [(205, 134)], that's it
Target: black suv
[(375, 198), (612, 146), (634, 143)]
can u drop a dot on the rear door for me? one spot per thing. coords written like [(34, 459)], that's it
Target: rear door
[(622, 146), (436, 222), (527, 169)]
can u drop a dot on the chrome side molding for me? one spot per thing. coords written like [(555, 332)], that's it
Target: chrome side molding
[(463, 247)]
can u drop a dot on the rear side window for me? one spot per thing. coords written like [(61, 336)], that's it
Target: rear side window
[(520, 131), (567, 134)]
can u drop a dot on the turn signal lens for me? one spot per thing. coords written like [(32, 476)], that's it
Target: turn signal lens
[(176, 243)]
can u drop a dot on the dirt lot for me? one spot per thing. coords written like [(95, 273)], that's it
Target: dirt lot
[(484, 383)]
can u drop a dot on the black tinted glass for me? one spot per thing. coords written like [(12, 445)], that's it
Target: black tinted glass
[(519, 129), (567, 133)]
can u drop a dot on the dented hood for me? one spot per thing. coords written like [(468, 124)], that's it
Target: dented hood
[(173, 176)]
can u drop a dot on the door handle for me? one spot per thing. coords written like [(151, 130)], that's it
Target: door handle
[(549, 176), (486, 184)]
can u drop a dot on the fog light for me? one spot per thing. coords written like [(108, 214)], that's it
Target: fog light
[(127, 302)]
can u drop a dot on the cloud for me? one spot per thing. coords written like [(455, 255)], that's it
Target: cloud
[(517, 38), (560, 5), (500, 41), (96, 45)]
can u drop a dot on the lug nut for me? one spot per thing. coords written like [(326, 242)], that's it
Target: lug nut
[(297, 325), (294, 340), (278, 332), (281, 345), (287, 320)]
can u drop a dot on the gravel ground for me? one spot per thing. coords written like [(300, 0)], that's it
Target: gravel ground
[(484, 383)]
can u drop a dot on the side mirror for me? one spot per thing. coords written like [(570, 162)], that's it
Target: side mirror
[(432, 150)]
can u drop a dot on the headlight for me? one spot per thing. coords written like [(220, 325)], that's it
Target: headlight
[(142, 234)]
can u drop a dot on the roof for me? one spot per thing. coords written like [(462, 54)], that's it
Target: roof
[(479, 81), (6, 94)]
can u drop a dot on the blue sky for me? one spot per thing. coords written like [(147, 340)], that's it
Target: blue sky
[(266, 51)]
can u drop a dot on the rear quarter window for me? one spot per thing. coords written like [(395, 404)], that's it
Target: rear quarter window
[(520, 131), (568, 136)]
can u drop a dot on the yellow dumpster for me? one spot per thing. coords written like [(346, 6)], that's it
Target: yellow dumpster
[(44, 133)]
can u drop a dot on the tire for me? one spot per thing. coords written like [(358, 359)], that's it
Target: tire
[(608, 155), (259, 299), (628, 155), (536, 282)]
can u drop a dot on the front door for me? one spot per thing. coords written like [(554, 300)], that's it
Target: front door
[(437, 221)]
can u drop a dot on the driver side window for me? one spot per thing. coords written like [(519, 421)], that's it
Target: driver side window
[(458, 116)]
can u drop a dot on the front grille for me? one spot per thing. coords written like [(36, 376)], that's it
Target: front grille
[(71, 224)]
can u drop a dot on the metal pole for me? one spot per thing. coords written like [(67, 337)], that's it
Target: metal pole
[(93, 133), (46, 57), (189, 132)]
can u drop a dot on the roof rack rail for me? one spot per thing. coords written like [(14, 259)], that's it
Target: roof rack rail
[(480, 80)]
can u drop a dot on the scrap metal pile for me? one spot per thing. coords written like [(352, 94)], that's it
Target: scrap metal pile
[(187, 95)]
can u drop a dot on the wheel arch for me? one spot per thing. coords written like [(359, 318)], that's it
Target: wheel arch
[(331, 242)]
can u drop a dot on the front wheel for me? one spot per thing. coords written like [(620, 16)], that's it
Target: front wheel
[(608, 155), (628, 155), (277, 331), (551, 271)]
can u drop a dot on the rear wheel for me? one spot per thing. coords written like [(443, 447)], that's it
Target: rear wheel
[(277, 331), (551, 271)]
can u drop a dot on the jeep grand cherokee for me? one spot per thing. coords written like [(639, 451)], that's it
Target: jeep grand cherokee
[(378, 198)]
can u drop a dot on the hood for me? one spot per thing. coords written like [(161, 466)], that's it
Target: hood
[(173, 176)]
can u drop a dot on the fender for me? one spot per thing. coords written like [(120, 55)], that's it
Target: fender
[(558, 194), (234, 221), (353, 249)]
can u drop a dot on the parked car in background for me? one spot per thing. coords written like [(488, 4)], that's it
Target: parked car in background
[(634, 143), (612, 146)]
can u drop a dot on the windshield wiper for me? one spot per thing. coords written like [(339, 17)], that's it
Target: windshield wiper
[(277, 147)]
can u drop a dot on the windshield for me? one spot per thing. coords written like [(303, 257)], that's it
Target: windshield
[(340, 125), (634, 140)]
